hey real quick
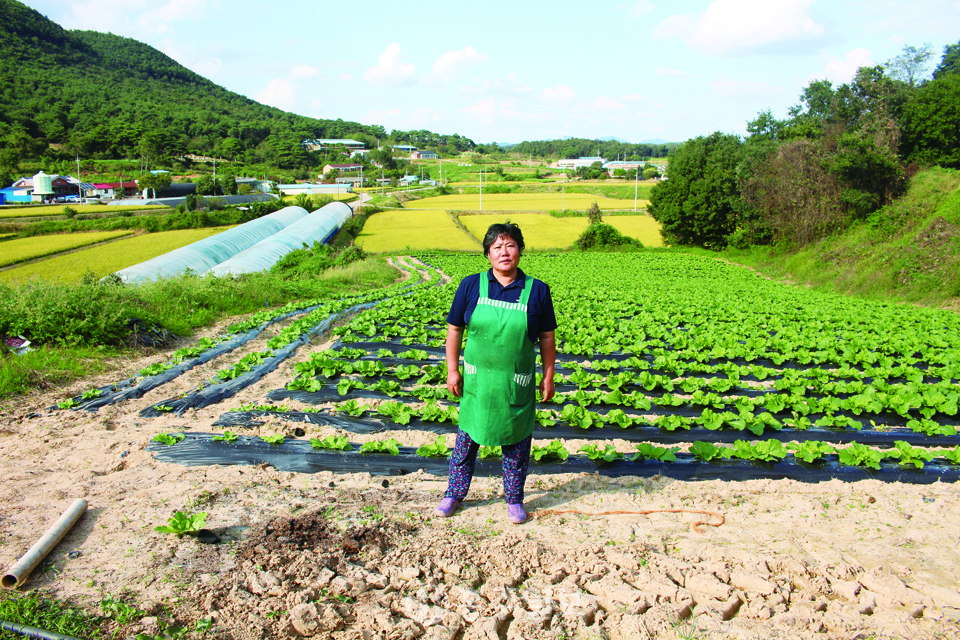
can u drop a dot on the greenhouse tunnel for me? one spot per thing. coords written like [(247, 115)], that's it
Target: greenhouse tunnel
[(319, 226), (204, 254)]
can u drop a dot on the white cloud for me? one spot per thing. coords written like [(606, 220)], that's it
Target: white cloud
[(279, 93), (610, 103), (562, 93), (346, 77), (159, 20), (842, 71), (206, 62), (607, 103), (391, 71), (509, 84), (453, 63), (375, 115), (303, 72), (426, 113), (739, 27), (101, 15), (726, 87), (640, 8), (491, 110)]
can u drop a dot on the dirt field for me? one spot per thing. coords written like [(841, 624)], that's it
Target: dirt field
[(356, 556)]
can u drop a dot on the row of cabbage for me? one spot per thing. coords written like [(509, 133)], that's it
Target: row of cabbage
[(766, 451), (672, 341)]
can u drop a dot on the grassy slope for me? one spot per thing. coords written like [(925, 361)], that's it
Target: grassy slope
[(908, 251)]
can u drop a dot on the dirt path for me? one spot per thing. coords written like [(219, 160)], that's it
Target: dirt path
[(359, 556)]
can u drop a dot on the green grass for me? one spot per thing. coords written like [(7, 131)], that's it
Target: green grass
[(36, 610), (47, 367)]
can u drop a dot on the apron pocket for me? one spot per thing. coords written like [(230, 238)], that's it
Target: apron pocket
[(522, 389)]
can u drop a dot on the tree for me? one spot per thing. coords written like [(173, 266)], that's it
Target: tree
[(153, 182), (594, 216), (227, 181), (950, 63), (206, 185), (930, 132), (700, 202), (796, 199), (910, 65)]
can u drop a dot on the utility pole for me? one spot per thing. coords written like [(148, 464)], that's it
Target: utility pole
[(636, 185)]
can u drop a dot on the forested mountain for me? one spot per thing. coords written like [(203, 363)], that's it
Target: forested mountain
[(104, 96), (581, 147)]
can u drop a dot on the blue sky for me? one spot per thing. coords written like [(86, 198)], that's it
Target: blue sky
[(508, 71)]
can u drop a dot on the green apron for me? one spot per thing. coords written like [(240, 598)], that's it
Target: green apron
[(497, 407)]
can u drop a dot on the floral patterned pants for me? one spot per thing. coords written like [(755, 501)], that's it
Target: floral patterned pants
[(516, 459)]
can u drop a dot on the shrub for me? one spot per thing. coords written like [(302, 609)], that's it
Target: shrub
[(599, 235), (70, 212), (594, 215), (352, 253)]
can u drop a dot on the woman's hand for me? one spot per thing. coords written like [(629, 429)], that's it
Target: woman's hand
[(455, 383), (548, 354), (453, 344), (546, 389)]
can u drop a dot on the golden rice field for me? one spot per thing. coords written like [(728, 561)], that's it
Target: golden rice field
[(405, 230), (23, 249), (540, 231), (525, 202), (107, 258), (57, 209), (643, 228), (543, 231)]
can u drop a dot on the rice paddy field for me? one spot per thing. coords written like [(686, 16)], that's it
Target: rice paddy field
[(643, 228), (57, 209), (540, 231), (544, 232), (526, 202), (406, 230), (106, 258), (23, 249)]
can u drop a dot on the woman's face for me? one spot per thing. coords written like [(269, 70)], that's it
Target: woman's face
[(504, 255)]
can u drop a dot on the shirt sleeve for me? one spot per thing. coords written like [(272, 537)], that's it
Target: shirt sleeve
[(548, 317), (458, 310)]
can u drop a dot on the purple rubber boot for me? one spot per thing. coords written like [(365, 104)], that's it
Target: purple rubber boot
[(446, 508), (516, 513)]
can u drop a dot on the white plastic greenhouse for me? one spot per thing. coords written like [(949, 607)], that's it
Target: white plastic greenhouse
[(316, 227), (209, 252)]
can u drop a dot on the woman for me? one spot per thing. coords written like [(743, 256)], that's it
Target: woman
[(507, 313)]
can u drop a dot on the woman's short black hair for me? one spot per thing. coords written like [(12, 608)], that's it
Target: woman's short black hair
[(499, 230)]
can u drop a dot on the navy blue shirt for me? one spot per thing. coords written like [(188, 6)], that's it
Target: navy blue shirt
[(540, 315)]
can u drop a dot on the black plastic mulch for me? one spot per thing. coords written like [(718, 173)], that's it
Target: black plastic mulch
[(299, 456), (137, 387)]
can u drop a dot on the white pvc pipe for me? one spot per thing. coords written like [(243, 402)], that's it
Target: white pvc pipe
[(18, 573)]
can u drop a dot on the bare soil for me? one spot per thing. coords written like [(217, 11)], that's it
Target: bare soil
[(360, 556)]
